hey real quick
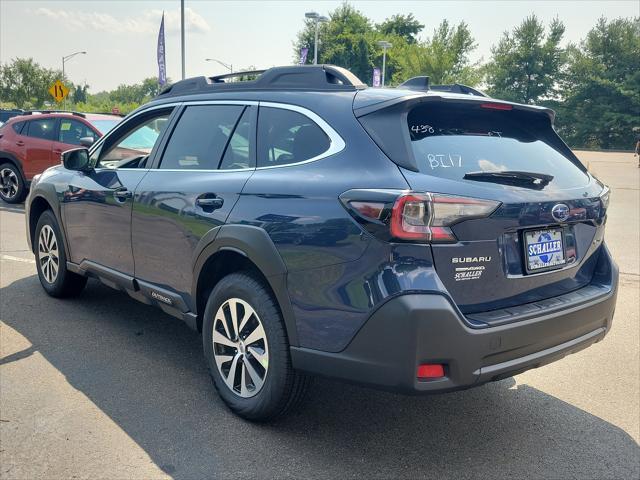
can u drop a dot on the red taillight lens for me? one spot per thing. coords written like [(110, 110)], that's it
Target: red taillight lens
[(428, 217), (430, 370)]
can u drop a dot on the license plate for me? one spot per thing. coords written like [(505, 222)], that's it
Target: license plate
[(544, 249)]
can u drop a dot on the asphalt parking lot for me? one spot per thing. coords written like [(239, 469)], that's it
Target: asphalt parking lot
[(104, 387)]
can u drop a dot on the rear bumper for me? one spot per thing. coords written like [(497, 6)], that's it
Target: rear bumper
[(413, 329)]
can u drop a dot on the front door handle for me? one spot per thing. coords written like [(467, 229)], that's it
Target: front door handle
[(122, 193), (20, 143), (209, 203)]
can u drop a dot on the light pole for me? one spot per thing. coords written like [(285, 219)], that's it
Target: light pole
[(384, 44), (318, 19), (225, 65), (64, 59)]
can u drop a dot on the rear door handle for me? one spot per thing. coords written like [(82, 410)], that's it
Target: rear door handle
[(20, 143), (209, 203), (122, 193)]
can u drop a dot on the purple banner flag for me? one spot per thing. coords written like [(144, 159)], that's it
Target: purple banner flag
[(303, 55), (376, 77), (162, 66)]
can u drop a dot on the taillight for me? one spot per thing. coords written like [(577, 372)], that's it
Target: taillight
[(429, 216), (414, 216)]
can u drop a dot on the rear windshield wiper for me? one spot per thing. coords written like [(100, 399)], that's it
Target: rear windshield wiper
[(512, 177)]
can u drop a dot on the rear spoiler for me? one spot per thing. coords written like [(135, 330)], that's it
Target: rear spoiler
[(410, 101)]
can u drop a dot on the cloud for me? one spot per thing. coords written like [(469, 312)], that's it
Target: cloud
[(147, 23)]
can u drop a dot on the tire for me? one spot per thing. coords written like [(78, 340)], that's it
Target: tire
[(264, 356), (12, 186), (51, 260)]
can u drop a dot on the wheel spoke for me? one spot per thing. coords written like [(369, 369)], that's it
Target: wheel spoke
[(255, 377), (222, 359), (220, 318), (257, 334), (243, 379), (231, 377), (248, 312), (233, 309), (261, 357), (222, 340), (54, 268)]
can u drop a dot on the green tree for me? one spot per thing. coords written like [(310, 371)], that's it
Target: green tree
[(526, 63), (405, 26), (600, 105), (25, 83), (79, 93), (347, 40), (444, 57)]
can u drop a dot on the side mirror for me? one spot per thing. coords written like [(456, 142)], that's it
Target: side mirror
[(76, 159), (87, 141)]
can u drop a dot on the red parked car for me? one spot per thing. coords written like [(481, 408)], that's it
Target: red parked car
[(33, 142)]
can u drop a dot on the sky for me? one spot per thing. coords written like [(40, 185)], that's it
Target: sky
[(120, 36)]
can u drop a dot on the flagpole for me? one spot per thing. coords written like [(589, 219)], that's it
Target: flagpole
[(182, 33)]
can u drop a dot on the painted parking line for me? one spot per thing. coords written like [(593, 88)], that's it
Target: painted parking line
[(17, 259)]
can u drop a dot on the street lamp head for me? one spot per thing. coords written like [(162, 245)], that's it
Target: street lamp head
[(312, 15), (323, 19)]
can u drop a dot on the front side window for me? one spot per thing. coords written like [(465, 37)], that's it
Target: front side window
[(43, 129), (131, 146), (71, 131), (286, 137), (200, 137)]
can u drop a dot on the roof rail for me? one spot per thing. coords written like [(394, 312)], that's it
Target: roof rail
[(298, 77), (422, 84), (31, 112)]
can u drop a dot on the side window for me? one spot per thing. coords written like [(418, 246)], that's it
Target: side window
[(132, 140), (200, 137), (285, 137), (238, 154), (71, 131), (41, 128)]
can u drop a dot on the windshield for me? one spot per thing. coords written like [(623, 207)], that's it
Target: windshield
[(450, 141), (104, 126)]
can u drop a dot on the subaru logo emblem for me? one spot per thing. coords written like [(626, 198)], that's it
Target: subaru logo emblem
[(560, 212)]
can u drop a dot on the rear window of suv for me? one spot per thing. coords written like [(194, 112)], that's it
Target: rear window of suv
[(449, 141)]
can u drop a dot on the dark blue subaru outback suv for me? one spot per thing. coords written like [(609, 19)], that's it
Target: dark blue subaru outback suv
[(413, 240)]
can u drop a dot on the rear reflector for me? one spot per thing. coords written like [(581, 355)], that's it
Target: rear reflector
[(430, 370)]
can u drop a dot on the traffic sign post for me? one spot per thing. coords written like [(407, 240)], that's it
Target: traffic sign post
[(58, 91)]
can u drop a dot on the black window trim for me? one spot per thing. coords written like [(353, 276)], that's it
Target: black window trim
[(336, 143)]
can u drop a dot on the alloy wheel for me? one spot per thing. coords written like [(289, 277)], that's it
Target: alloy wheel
[(8, 183), (240, 347), (48, 254)]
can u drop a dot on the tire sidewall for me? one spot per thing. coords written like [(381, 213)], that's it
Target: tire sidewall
[(252, 291), (55, 288), (19, 196)]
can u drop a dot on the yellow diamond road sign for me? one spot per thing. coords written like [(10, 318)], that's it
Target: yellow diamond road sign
[(58, 91)]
